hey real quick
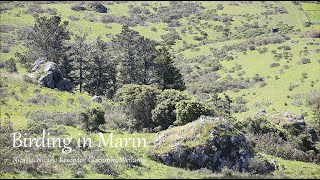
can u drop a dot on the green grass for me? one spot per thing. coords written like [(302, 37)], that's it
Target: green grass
[(276, 91), (313, 11), (17, 104), (295, 169)]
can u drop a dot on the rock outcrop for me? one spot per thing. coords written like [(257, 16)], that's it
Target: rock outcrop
[(49, 75), (208, 142), (262, 112), (97, 99), (101, 8)]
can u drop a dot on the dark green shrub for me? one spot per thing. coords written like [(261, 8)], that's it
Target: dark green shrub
[(92, 118), (116, 119), (305, 61), (164, 114), (105, 167), (304, 75), (274, 65), (260, 165), (130, 158), (138, 102), (239, 105), (275, 145), (259, 124), (188, 111), (11, 65), (171, 37), (78, 171)]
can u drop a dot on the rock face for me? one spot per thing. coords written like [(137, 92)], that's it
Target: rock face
[(49, 75), (262, 112), (97, 99), (98, 7), (101, 8), (208, 142)]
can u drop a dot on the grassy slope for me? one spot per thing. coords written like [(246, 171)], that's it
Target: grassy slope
[(275, 92), (313, 11)]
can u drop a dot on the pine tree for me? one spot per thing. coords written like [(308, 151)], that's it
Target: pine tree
[(135, 55), (47, 38), (147, 53), (79, 53), (169, 77), (67, 67), (125, 47), (100, 74)]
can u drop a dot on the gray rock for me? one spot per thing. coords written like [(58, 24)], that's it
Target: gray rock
[(299, 117), (166, 159), (301, 125), (47, 80), (37, 63), (48, 74), (64, 85), (30, 75), (286, 114), (262, 112), (100, 8), (313, 133), (97, 99)]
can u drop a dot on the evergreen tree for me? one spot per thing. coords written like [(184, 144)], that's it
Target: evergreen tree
[(47, 39), (135, 55), (169, 76), (67, 67), (100, 74), (125, 47), (147, 53), (79, 53)]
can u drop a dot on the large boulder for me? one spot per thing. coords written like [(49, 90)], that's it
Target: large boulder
[(48, 74), (97, 99), (37, 63), (97, 6), (208, 142), (262, 112)]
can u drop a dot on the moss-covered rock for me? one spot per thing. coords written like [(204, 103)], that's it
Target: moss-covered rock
[(208, 142)]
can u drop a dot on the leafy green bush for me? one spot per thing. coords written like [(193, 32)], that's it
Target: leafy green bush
[(78, 171), (116, 118), (130, 158), (164, 114), (314, 103), (188, 111), (274, 65), (138, 102), (239, 105), (259, 124), (275, 145), (259, 165), (92, 118), (171, 37), (11, 65), (305, 61), (105, 167)]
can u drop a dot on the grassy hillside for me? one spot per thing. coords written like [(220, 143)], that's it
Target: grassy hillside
[(236, 37)]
